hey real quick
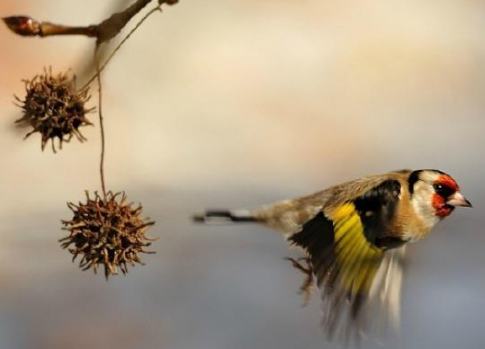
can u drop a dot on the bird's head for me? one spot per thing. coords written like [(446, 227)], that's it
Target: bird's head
[(435, 194)]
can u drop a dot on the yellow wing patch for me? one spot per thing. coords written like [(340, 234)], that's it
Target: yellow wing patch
[(357, 259)]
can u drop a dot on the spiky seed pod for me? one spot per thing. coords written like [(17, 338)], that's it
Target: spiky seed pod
[(108, 231), (54, 108)]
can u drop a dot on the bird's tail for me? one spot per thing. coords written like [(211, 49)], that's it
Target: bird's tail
[(287, 216), (225, 217)]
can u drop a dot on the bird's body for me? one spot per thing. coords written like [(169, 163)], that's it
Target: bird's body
[(354, 235), (289, 216)]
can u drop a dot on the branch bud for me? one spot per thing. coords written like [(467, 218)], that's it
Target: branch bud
[(22, 25)]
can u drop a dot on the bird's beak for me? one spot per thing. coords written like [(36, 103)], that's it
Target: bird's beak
[(458, 199)]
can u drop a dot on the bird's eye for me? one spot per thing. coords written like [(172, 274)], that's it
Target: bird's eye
[(443, 190)]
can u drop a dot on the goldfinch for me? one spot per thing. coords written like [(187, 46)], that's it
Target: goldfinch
[(354, 235)]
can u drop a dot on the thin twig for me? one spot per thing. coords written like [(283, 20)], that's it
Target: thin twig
[(101, 124), (99, 69), (104, 31), (118, 47), (27, 26)]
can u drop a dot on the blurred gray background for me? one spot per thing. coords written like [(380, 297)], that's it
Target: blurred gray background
[(240, 103)]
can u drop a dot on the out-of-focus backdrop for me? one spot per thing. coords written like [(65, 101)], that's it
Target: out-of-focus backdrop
[(239, 103)]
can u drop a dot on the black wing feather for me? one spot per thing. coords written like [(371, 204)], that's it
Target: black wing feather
[(376, 209)]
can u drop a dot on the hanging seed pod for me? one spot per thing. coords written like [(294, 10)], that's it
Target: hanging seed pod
[(107, 231), (54, 108)]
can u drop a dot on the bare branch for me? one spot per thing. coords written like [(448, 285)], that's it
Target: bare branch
[(103, 32)]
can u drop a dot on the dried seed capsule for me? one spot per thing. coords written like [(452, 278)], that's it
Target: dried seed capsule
[(54, 108), (107, 231)]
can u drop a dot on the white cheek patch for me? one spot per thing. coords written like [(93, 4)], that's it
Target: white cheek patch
[(421, 203)]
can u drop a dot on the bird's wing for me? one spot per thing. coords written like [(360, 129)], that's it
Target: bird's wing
[(346, 243), (359, 187)]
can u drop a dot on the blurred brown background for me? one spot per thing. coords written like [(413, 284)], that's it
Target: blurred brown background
[(239, 103)]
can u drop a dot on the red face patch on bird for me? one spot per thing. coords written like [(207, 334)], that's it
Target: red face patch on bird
[(444, 187), (448, 182)]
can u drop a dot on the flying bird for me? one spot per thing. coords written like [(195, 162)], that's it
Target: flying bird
[(354, 236)]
